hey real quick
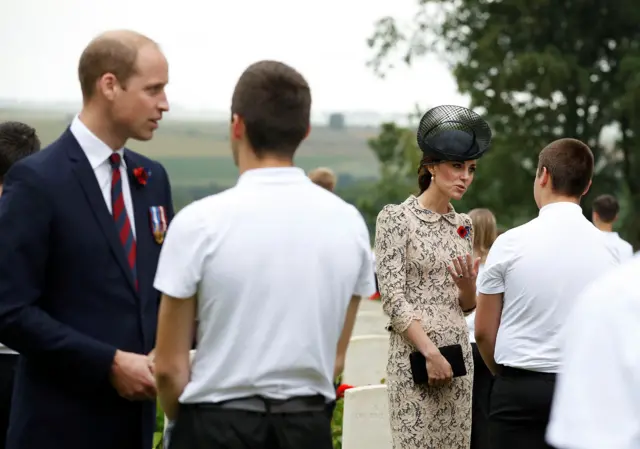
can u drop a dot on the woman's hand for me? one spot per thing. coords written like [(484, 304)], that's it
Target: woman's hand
[(464, 271), (438, 369)]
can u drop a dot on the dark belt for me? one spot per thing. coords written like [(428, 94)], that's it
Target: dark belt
[(509, 371), (260, 404)]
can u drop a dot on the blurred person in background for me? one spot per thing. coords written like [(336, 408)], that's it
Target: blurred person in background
[(484, 234), (596, 404), (17, 141), (605, 210), (324, 177)]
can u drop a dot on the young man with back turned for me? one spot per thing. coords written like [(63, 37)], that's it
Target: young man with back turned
[(531, 279), (273, 270), (17, 141)]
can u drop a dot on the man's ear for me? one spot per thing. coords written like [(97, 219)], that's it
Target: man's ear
[(237, 127), (544, 177), (587, 189)]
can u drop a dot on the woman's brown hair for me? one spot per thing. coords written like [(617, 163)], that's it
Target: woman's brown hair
[(484, 232), (424, 175)]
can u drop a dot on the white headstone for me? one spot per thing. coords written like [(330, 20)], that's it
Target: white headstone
[(365, 422), (366, 360), (369, 305), (370, 323)]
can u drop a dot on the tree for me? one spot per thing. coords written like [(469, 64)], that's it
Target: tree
[(397, 151), (538, 70)]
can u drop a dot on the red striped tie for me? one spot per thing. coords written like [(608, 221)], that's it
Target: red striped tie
[(120, 216)]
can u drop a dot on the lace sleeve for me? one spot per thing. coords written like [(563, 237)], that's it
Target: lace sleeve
[(390, 248)]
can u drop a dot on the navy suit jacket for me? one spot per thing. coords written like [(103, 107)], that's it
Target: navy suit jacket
[(68, 301)]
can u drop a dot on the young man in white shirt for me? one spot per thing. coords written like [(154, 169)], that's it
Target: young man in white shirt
[(17, 141), (532, 277), (604, 214), (273, 270), (597, 403)]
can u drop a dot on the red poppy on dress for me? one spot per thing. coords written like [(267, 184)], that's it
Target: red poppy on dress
[(341, 389), (463, 231), (142, 175), (375, 296)]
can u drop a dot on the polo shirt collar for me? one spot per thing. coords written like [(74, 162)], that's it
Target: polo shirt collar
[(562, 207), (273, 175)]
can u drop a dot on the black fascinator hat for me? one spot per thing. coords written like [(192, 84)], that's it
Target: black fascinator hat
[(453, 133)]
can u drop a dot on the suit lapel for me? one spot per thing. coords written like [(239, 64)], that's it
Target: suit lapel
[(141, 215), (89, 183)]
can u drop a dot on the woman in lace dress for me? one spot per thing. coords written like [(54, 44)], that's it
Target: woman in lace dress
[(427, 282)]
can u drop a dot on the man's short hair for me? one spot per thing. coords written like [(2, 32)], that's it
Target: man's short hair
[(607, 208), (17, 141), (274, 100), (324, 177), (570, 164), (113, 52)]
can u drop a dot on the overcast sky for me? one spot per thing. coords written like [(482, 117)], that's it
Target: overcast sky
[(209, 43)]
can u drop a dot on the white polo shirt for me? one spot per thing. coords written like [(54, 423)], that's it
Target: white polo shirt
[(597, 398), (622, 247), (542, 267), (274, 262)]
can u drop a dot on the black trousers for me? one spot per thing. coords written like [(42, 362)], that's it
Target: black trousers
[(7, 372), (208, 426), (482, 382), (519, 409)]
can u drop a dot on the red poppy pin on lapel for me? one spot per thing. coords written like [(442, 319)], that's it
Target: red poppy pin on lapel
[(463, 231), (141, 175)]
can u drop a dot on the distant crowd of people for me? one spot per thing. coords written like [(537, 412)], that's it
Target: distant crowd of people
[(526, 340)]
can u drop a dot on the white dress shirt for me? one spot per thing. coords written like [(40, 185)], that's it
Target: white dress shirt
[(624, 248), (98, 154), (541, 267), (597, 398)]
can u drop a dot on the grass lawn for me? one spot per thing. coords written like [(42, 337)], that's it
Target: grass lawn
[(198, 153)]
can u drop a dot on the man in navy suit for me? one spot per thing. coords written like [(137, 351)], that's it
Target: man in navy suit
[(81, 227), (17, 140)]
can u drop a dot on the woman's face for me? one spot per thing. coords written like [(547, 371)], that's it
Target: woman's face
[(453, 178)]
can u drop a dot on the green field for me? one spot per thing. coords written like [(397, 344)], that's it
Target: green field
[(198, 153)]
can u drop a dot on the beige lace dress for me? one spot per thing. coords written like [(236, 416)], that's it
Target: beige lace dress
[(413, 248)]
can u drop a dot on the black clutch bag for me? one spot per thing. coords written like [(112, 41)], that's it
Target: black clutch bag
[(453, 355)]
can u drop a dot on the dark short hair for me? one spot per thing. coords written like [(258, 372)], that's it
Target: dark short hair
[(607, 207), (570, 164), (17, 141), (274, 100)]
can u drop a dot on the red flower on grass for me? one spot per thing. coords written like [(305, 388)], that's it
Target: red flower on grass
[(142, 175), (463, 231), (341, 389)]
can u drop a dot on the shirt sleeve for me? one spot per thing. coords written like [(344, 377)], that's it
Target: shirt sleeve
[(391, 246), (597, 396), (183, 254), (491, 280)]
